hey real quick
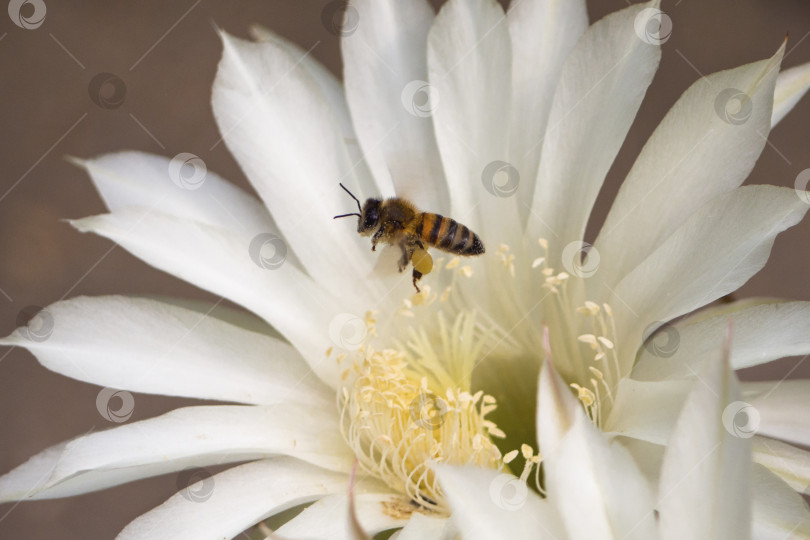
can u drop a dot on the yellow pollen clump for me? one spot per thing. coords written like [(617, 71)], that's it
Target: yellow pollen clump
[(399, 423)]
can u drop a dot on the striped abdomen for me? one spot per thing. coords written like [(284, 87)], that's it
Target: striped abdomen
[(449, 235)]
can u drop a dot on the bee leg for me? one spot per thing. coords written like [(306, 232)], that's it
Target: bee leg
[(417, 275), (406, 256), (376, 238), (386, 230)]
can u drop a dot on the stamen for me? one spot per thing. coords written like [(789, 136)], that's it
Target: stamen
[(404, 409)]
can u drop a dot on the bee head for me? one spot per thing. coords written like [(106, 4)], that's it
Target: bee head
[(369, 217)]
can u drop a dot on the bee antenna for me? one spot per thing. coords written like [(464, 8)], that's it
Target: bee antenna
[(346, 215), (352, 196)]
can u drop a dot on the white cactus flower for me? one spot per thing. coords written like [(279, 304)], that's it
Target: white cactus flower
[(508, 122)]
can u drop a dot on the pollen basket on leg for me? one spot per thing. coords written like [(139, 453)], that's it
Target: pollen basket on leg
[(405, 408)]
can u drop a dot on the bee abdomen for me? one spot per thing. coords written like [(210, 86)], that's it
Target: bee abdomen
[(449, 235)]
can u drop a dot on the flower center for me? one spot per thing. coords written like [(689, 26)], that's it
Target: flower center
[(406, 408)]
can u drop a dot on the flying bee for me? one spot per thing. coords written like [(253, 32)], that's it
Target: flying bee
[(398, 222)]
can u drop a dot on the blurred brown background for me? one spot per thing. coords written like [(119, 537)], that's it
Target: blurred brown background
[(166, 53)]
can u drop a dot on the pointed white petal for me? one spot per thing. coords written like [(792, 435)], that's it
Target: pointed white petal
[(188, 437), (587, 475), (139, 179), (762, 333), (469, 61), (332, 89), (699, 150), (489, 504), (219, 261), (705, 488), (791, 86), (648, 457), (556, 409), (647, 410), (542, 34), (328, 518), (782, 407), (224, 505), (791, 464), (282, 132), (715, 251), (234, 316), (422, 526), (600, 90), (148, 346), (778, 511), (385, 69)]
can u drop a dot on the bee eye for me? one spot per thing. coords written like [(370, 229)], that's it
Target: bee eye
[(371, 218)]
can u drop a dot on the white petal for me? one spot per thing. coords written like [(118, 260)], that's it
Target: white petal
[(332, 89), (219, 261), (282, 132), (224, 505), (385, 69), (469, 60), (489, 504), (647, 410), (600, 90), (791, 85), (694, 155), (791, 464), (778, 512), (556, 409), (328, 518), (648, 457), (542, 32), (138, 179), (148, 346), (588, 476), (422, 526), (762, 332), (782, 407), (715, 251), (705, 488), (193, 436)]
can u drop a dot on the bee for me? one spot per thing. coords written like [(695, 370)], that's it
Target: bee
[(398, 222)]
